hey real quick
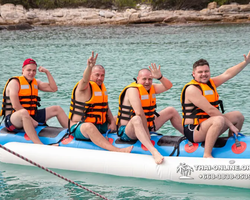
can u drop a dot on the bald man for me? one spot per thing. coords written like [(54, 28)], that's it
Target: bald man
[(89, 115), (137, 116)]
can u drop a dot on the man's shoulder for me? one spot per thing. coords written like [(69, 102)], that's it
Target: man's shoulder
[(81, 91), (131, 93), (13, 81), (132, 89), (13, 86), (38, 81), (192, 89)]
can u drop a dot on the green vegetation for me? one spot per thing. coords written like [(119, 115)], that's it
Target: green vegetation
[(222, 2), (120, 4), (124, 3)]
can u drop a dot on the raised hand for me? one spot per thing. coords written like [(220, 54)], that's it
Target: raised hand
[(92, 60), (42, 69), (156, 73), (247, 58)]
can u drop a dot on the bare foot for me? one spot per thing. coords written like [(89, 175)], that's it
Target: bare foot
[(55, 144), (208, 156), (158, 157), (127, 149)]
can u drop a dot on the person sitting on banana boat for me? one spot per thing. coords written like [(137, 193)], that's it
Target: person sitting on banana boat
[(137, 116), (89, 115), (20, 102), (202, 119)]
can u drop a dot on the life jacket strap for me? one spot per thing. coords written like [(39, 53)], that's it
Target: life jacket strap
[(30, 103), (150, 119), (157, 114), (37, 103), (195, 111), (125, 107), (152, 128), (30, 97), (92, 116), (31, 108), (83, 104), (149, 107), (149, 113), (79, 107), (86, 108), (220, 104), (124, 118), (7, 104)]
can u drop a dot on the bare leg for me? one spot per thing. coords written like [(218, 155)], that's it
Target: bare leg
[(236, 118), (135, 130), (171, 114), (209, 132), (22, 119), (90, 131), (57, 111)]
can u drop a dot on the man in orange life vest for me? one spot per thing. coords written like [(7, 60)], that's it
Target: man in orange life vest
[(89, 114), (202, 119), (20, 101), (137, 103)]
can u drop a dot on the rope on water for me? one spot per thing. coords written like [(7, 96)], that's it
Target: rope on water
[(50, 171)]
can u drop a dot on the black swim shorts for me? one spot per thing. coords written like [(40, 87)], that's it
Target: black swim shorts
[(40, 116), (189, 131)]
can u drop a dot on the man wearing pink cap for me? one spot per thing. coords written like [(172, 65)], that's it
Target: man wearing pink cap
[(20, 101)]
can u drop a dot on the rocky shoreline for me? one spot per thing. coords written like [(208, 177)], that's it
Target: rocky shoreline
[(15, 17)]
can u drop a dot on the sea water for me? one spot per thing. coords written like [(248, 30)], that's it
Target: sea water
[(123, 50)]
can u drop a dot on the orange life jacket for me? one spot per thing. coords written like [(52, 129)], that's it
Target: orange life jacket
[(148, 101), (95, 109), (209, 92), (28, 96)]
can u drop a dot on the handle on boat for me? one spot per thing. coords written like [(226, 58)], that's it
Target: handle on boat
[(107, 133), (239, 134), (152, 132), (237, 143)]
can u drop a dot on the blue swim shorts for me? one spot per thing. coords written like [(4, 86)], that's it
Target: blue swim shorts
[(76, 132), (123, 136), (9, 126)]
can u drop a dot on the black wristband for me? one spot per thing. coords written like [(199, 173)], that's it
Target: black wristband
[(160, 78)]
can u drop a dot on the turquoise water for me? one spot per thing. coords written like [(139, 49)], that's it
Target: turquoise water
[(123, 51)]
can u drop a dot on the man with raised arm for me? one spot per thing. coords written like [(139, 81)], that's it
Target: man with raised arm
[(202, 119), (89, 114), (137, 103), (20, 101)]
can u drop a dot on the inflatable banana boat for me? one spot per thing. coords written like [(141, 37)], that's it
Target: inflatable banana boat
[(183, 160)]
